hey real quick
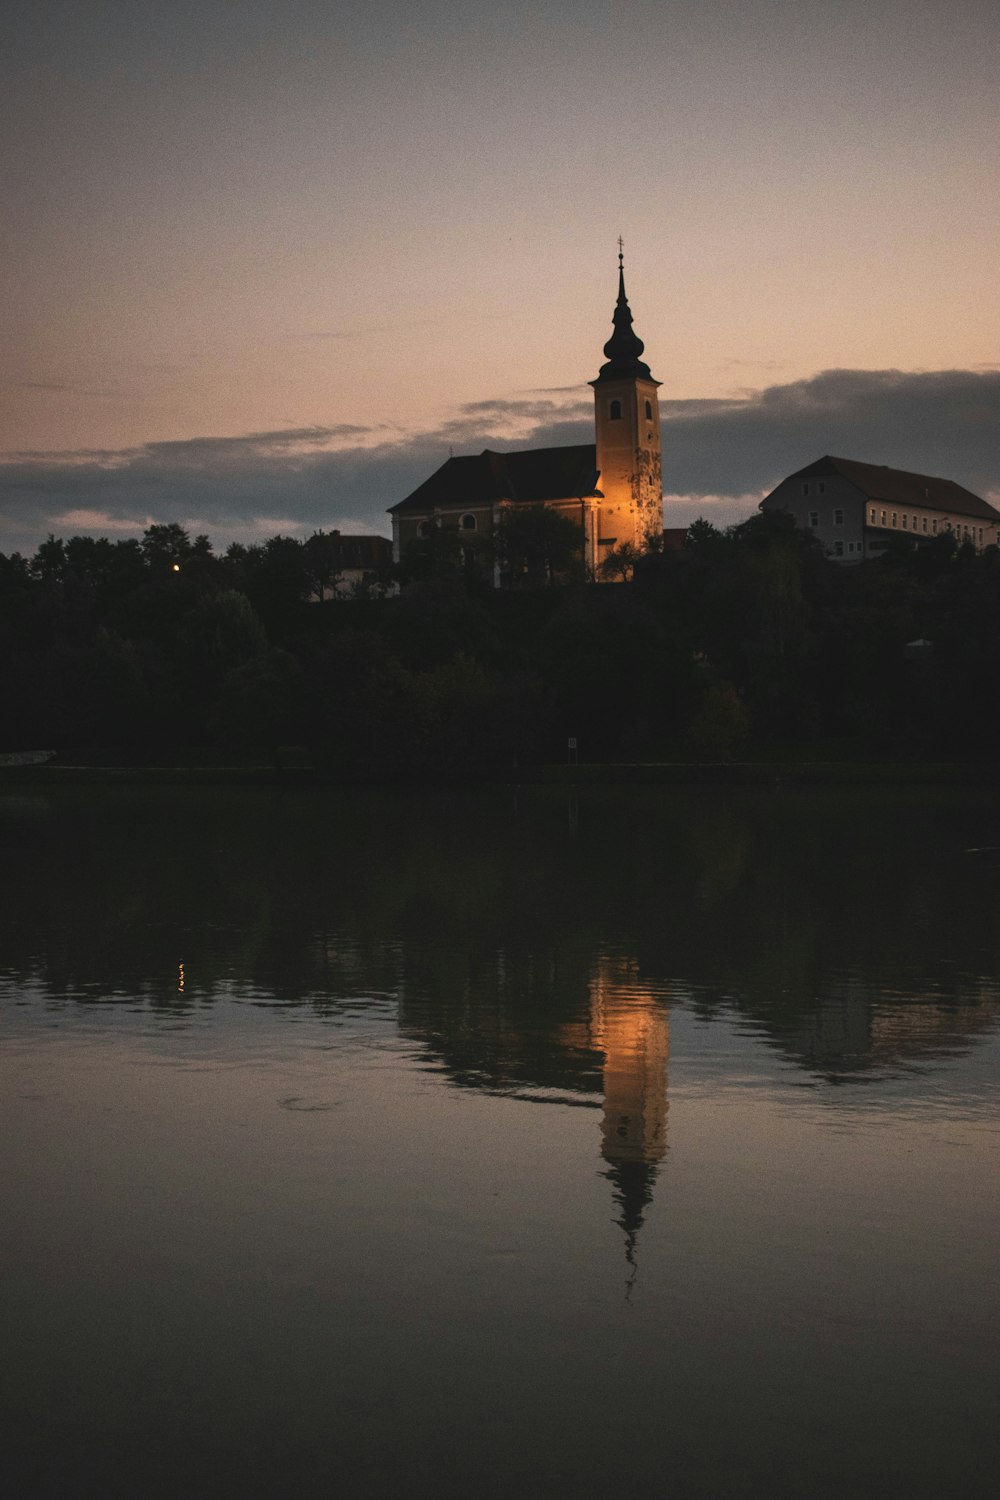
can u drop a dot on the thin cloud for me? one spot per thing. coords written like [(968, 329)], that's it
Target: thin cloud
[(721, 510), (82, 520), (279, 440), (524, 408), (552, 390), (752, 364)]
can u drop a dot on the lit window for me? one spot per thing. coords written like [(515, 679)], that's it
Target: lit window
[(468, 523), (838, 516), (814, 518), (649, 411), (871, 516), (615, 411)]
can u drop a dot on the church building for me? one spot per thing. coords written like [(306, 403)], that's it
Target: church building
[(611, 488)]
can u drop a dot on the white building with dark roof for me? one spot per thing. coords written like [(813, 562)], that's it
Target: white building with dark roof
[(853, 508), (612, 488)]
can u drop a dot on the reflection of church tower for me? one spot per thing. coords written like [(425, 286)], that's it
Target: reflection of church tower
[(632, 1030), (627, 417)]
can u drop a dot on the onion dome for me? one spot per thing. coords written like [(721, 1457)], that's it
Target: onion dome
[(624, 346)]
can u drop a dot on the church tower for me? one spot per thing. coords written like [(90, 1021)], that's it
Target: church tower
[(627, 417), (632, 1029)]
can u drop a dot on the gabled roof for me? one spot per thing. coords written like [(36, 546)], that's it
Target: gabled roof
[(900, 487), (533, 474)]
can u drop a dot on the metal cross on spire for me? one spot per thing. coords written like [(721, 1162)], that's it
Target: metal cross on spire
[(621, 253)]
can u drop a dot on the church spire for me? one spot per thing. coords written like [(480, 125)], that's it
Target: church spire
[(632, 1182), (624, 346)]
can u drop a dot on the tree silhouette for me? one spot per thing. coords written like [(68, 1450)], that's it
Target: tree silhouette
[(536, 545)]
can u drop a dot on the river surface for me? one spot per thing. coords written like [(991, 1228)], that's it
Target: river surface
[(499, 1144)]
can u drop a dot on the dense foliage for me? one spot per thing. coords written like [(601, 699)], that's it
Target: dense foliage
[(747, 643)]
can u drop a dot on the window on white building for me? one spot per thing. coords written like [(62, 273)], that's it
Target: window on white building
[(814, 518), (805, 489), (838, 518), (838, 548)]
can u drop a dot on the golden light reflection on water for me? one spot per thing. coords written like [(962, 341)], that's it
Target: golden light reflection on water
[(628, 1024)]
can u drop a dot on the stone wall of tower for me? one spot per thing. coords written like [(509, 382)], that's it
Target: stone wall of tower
[(628, 457), (649, 479)]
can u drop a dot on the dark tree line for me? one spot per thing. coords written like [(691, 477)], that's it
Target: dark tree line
[(748, 643)]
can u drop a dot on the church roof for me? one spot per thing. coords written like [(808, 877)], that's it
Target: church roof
[(900, 487), (532, 474)]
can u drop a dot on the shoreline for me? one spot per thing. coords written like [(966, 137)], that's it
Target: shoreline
[(776, 775)]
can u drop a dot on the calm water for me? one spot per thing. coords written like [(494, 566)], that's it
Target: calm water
[(499, 1145)]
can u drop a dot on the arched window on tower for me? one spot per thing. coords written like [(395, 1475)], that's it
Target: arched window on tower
[(615, 411), (649, 411), (468, 523)]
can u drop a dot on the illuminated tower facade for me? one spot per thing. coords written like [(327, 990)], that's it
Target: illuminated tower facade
[(627, 419)]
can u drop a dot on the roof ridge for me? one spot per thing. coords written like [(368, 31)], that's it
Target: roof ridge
[(892, 485)]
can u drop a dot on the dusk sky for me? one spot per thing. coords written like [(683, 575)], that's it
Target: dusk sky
[(267, 263)]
